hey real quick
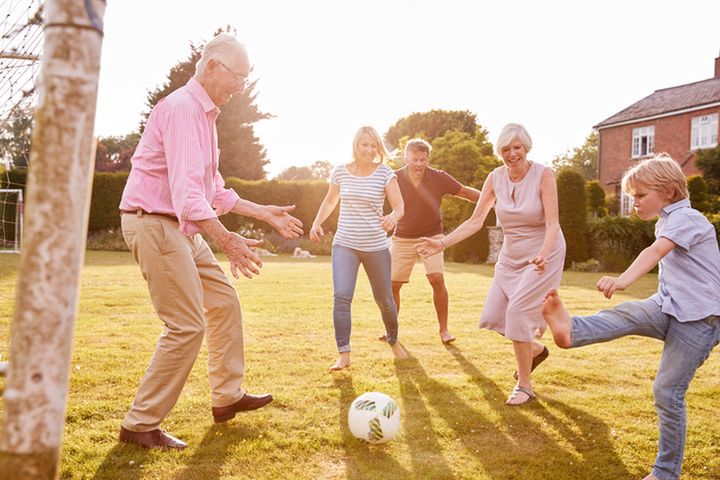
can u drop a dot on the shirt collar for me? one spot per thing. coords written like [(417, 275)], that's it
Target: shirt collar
[(199, 93), (667, 209)]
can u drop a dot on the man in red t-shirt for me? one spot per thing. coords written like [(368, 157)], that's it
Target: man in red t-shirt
[(422, 190)]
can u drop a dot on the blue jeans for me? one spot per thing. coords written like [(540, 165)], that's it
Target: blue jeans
[(345, 264), (687, 346)]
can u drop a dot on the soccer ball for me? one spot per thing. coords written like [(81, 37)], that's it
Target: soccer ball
[(374, 417)]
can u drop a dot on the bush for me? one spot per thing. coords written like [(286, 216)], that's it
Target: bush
[(475, 248), (597, 208), (573, 214), (111, 239), (699, 197), (617, 241)]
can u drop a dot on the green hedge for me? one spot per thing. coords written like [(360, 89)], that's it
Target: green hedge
[(475, 248), (573, 214), (616, 241)]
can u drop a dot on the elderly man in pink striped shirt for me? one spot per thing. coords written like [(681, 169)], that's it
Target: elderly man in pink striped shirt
[(173, 193)]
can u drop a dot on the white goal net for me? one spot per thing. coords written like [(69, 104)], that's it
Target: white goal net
[(11, 219)]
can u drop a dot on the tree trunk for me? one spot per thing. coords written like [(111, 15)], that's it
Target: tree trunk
[(61, 162)]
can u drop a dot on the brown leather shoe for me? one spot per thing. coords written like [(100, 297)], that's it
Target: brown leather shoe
[(246, 403), (152, 439)]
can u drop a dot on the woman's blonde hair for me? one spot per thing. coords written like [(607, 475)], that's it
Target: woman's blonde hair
[(510, 133), (660, 173), (382, 151)]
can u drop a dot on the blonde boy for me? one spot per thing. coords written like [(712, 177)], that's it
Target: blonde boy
[(684, 311)]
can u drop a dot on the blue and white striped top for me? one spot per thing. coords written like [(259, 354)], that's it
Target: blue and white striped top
[(361, 208)]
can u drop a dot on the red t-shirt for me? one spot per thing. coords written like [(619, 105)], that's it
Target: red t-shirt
[(422, 204)]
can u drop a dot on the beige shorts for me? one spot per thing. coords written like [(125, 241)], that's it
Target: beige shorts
[(404, 257)]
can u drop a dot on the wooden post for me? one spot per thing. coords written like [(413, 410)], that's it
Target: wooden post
[(53, 248)]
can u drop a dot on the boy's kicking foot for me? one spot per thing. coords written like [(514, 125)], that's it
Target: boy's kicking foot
[(558, 319)]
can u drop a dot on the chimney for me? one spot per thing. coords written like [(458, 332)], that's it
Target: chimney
[(717, 67)]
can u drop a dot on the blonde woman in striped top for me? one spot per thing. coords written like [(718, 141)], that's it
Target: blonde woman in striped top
[(361, 238)]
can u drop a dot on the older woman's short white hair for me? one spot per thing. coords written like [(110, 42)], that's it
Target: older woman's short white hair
[(223, 48), (510, 133)]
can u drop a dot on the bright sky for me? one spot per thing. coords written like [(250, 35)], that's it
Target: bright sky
[(326, 68)]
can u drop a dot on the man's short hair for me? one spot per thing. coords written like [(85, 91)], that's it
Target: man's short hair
[(418, 145), (224, 48), (660, 173)]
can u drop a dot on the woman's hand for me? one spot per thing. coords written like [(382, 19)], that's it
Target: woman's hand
[(539, 261), (388, 222), (429, 246), (316, 232)]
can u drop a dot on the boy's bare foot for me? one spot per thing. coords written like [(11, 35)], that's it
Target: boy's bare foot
[(558, 319), (342, 362), (650, 477), (382, 338), (446, 337), (399, 351)]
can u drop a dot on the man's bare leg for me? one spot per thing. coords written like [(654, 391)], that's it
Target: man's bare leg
[(440, 299)]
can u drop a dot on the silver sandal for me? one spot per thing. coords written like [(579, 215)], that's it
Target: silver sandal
[(516, 391)]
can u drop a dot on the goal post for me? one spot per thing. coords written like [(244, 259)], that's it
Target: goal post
[(11, 219)]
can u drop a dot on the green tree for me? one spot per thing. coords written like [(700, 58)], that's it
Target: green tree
[(431, 125), (573, 214), (597, 207), (113, 153), (708, 161), (319, 170), (16, 135), (699, 198), (467, 157), (295, 173), (583, 158), (242, 154)]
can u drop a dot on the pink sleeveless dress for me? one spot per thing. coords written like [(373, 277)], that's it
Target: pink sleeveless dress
[(513, 303)]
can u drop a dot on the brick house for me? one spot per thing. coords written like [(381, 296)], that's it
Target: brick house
[(677, 120)]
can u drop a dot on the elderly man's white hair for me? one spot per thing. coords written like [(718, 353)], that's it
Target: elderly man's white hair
[(224, 48)]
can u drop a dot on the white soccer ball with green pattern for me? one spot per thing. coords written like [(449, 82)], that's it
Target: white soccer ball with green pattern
[(374, 417)]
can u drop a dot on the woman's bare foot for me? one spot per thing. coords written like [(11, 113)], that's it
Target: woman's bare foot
[(399, 351), (558, 319), (446, 337), (343, 361), (650, 477)]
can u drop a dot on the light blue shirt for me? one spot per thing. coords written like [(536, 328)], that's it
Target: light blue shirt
[(689, 278)]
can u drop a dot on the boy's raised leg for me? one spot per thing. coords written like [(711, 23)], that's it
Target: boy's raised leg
[(558, 319)]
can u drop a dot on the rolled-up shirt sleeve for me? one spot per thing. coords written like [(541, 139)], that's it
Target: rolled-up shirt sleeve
[(225, 198), (185, 164)]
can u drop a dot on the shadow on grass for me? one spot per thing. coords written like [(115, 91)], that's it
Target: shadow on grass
[(122, 461), (527, 449), (207, 460), (362, 460)]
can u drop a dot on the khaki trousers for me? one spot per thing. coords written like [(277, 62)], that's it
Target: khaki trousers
[(191, 295)]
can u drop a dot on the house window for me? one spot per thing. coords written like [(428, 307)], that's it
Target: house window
[(704, 131), (643, 141), (626, 204)]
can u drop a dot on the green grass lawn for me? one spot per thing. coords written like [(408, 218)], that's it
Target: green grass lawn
[(594, 417)]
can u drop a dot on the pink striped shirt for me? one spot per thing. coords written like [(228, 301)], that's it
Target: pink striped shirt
[(175, 166)]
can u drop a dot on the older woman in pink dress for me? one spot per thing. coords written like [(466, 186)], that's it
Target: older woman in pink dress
[(531, 261)]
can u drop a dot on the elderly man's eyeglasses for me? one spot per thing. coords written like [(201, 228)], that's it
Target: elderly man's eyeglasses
[(240, 78)]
